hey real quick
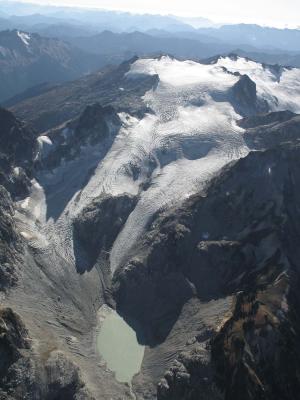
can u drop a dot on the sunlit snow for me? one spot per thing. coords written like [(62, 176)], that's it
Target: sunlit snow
[(25, 37)]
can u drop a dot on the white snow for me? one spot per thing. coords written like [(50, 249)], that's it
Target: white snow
[(25, 37), (44, 139), (44, 146), (17, 171), (282, 92), (191, 134), (183, 73)]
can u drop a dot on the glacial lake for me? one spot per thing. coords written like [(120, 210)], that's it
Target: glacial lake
[(118, 346)]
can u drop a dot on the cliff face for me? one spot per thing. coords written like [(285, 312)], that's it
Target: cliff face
[(17, 151), (97, 227), (9, 241), (24, 375)]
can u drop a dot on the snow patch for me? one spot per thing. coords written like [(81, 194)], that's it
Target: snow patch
[(44, 139), (45, 144), (17, 171), (25, 37)]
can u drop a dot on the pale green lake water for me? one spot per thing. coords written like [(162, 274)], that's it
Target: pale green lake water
[(118, 345)]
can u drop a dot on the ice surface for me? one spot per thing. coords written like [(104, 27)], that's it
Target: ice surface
[(164, 157)]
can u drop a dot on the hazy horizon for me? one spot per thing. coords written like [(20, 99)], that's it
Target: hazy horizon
[(282, 14)]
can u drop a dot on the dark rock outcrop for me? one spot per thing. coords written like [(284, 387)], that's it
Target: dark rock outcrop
[(244, 97), (17, 152), (63, 379), (9, 242), (266, 119), (269, 130), (98, 225), (13, 338), (24, 375), (16, 141), (95, 125)]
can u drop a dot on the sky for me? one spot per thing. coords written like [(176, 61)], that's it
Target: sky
[(279, 13)]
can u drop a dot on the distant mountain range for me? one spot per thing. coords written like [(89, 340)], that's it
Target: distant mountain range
[(257, 36), (27, 60), (45, 45), (37, 16), (66, 21), (117, 47), (139, 43)]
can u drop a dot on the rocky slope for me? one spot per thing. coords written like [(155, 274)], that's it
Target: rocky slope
[(172, 198)]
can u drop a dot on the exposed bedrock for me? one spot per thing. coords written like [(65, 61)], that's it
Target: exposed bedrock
[(10, 243), (257, 352), (97, 227), (16, 141), (25, 376), (18, 148), (95, 125), (244, 98), (265, 119), (267, 130)]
